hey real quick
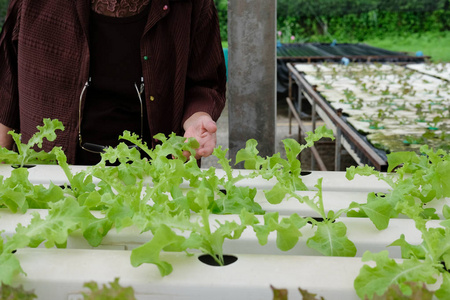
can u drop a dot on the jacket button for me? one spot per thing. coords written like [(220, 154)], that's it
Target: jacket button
[(152, 98), (165, 7), (146, 57)]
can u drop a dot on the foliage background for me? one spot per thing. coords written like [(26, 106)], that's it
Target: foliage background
[(3, 8), (357, 20), (354, 20)]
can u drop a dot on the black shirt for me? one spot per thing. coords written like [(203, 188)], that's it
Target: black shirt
[(112, 103)]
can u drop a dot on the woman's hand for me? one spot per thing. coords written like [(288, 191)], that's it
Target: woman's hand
[(201, 127), (5, 139)]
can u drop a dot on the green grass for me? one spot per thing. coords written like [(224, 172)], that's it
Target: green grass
[(435, 45)]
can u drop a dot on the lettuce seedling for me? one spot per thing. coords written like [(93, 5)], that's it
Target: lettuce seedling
[(26, 153)]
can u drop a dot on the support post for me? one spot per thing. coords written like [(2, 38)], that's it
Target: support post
[(252, 75)]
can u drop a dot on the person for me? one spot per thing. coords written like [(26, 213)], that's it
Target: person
[(105, 66)]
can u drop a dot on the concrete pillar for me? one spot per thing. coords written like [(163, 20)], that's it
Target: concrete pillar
[(251, 75)]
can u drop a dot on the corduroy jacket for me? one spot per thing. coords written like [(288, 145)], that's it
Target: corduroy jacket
[(44, 64)]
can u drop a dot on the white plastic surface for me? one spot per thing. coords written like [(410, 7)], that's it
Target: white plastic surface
[(359, 230), (332, 181), (58, 274)]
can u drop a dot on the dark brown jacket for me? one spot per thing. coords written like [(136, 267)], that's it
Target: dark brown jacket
[(44, 63)]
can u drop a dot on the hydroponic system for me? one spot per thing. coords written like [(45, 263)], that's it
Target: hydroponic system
[(169, 230), (397, 108)]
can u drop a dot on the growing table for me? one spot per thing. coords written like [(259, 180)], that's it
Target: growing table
[(353, 99)]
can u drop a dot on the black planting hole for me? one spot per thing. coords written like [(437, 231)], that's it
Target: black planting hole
[(305, 173), (445, 267), (380, 195), (14, 251), (69, 187), (224, 191), (16, 166), (319, 219), (209, 260)]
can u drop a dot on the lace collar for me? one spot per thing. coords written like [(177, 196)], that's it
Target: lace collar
[(118, 8)]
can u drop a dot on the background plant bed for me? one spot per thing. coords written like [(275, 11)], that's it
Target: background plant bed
[(390, 96)]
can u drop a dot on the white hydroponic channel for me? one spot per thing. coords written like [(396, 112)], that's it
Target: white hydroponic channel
[(441, 70), (61, 273), (399, 109)]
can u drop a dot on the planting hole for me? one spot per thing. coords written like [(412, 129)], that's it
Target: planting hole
[(223, 191), (445, 267), (305, 173), (318, 219), (209, 260), (24, 166), (380, 195)]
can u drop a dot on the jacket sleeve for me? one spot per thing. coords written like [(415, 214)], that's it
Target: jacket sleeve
[(206, 74), (9, 102)]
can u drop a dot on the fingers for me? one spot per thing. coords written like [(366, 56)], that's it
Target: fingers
[(206, 150), (210, 126), (203, 129)]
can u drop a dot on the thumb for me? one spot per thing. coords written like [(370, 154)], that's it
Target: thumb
[(211, 126)]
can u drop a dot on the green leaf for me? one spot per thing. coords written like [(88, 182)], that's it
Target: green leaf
[(249, 155), (173, 145), (319, 133), (96, 231), (446, 211), (223, 161), (263, 231), (120, 213), (15, 189), (48, 131), (331, 239), (276, 194), (379, 210), (8, 156), (150, 251), (26, 152), (411, 251), (9, 267), (367, 171), (444, 289), (293, 149), (396, 159), (288, 231), (387, 272), (443, 175), (237, 198), (42, 196), (63, 218)]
